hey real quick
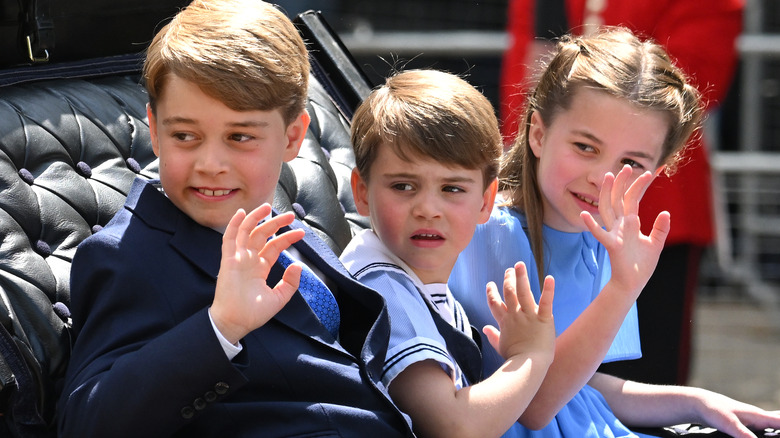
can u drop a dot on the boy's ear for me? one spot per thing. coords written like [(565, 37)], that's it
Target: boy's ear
[(488, 199), (296, 131), (153, 130), (536, 134), (359, 192)]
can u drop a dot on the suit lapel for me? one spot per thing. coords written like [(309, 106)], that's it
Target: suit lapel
[(365, 326), (200, 245)]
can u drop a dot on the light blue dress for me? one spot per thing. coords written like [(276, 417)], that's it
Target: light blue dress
[(580, 265)]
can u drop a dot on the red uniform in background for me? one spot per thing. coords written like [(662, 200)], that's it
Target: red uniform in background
[(700, 36)]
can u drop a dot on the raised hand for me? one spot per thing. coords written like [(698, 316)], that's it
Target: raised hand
[(524, 327), (633, 255), (242, 300)]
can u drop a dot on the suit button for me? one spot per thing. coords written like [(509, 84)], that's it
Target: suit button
[(210, 396), (221, 388), (199, 404), (187, 412)]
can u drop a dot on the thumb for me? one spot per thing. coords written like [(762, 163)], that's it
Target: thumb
[(492, 335), (289, 283), (661, 227)]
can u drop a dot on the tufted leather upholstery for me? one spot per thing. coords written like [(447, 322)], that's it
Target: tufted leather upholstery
[(69, 150), (315, 185)]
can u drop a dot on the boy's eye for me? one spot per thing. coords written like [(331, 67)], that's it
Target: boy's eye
[(403, 187), (453, 189), (183, 136), (240, 137)]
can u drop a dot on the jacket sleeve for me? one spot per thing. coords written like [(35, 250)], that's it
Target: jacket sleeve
[(137, 369)]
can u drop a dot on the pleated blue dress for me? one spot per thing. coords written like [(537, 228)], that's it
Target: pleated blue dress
[(580, 265)]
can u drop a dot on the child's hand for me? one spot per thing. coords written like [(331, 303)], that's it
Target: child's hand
[(734, 417), (243, 301), (633, 255), (525, 328)]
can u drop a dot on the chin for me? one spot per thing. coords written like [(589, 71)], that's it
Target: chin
[(213, 223)]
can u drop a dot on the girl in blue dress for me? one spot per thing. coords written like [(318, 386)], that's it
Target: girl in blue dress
[(609, 113)]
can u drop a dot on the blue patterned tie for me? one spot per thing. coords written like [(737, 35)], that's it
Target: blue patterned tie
[(317, 294)]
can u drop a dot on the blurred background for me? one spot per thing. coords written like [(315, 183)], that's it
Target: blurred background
[(734, 315)]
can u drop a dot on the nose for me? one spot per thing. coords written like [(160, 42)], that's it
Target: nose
[(597, 172), (426, 205), (210, 158)]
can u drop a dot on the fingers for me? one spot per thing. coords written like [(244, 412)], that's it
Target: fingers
[(246, 235), (495, 303), (261, 236), (229, 238), (248, 224), (619, 190), (606, 208), (546, 300), (636, 190), (620, 196), (523, 288), (613, 190), (517, 293), (510, 286), (271, 249), (591, 224), (262, 231), (739, 430)]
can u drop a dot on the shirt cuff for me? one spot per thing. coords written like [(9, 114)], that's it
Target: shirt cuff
[(231, 350)]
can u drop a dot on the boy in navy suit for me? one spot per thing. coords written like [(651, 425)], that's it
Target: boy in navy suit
[(175, 337)]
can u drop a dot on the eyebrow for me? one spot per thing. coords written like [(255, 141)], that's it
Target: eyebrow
[(186, 120), (450, 180), (593, 138)]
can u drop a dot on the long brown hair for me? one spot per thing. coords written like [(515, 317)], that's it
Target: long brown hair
[(617, 62)]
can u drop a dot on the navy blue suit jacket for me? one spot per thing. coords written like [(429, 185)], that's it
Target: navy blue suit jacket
[(146, 361)]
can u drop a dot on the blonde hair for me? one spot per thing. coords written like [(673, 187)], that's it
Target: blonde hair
[(614, 61), (428, 113), (245, 53)]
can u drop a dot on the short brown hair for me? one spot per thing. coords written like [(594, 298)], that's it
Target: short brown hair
[(428, 113), (245, 53)]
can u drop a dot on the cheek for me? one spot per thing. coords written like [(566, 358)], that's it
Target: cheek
[(547, 175), (170, 166), (560, 171), (464, 233), (386, 219)]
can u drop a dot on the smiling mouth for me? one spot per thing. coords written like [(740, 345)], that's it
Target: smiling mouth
[(207, 192), (587, 201)]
